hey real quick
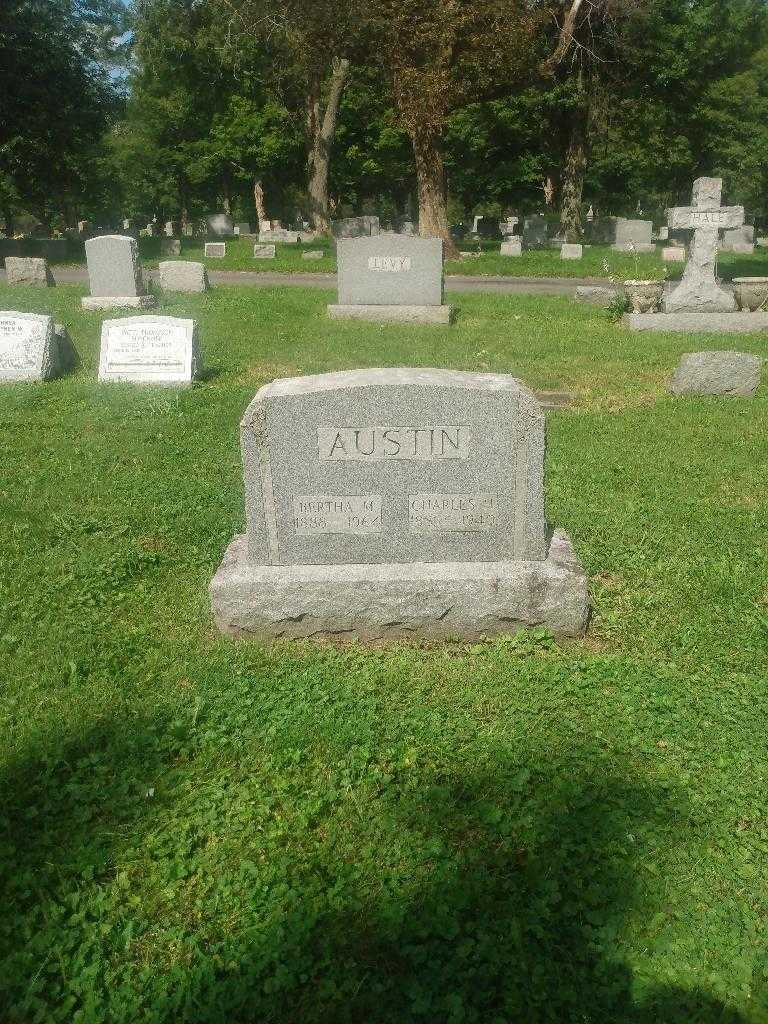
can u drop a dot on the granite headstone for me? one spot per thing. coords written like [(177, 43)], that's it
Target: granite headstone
[(29, 349), (149, 350), (114, 273), (183, 276)]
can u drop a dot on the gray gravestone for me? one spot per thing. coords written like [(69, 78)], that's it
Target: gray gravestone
[(739, 239), (29, 348), (396, 502), (699, 290), (220, 225), (355, 227), (512, 247), (149, 350), (183, 276), (534, 232), (632, 235), (215, 250), (264, 252), (28, 270), (729, 374), (571, 251), (507, 226), (242, 228), (114, 273), (170, 247), (673, 254), (397, 277)]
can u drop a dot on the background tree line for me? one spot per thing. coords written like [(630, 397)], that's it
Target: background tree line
[(426, 109)]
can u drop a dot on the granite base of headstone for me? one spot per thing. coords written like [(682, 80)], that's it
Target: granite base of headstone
[(673, 254), (512, 247), (115, 275), (727, 374), (717, 323), (31, 348), (183, 276), (28, 270), (264, 252), (596, 295), (215, 250), (396, 503), (390, 278), (150, 350)]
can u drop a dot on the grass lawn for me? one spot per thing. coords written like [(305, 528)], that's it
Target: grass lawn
[(522, 831), (599, 261)]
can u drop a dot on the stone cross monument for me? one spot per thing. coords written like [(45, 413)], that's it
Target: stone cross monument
[(699, 290)]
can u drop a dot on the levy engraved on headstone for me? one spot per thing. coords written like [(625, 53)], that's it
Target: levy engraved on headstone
[(453, 460), (149, 350), (399, 270), (28, 347), (699, 290)]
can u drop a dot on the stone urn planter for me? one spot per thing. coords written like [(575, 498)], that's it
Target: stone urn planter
[(645, 296), (751, 293)]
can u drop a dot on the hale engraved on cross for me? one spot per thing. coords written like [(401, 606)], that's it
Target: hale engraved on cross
[(699, 290)]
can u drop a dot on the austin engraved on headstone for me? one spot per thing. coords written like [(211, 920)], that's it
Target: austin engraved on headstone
[(699, 290), (114, 273), (29, 347), (396, 502), (149, 350), (391, 277)]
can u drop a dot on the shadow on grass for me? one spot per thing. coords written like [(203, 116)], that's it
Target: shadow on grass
[(506, 904)]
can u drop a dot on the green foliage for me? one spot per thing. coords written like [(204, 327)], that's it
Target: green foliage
[(198, 830)]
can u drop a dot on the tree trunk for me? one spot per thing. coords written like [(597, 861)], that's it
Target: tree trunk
[(572, 184), (226, 197), (320, 132), (430, 176), (258, 199)]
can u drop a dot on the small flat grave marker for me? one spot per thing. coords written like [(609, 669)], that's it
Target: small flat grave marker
[(215, 250), (149, 350)]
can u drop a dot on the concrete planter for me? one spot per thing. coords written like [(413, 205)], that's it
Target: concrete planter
[(645, 296), (751, 293)]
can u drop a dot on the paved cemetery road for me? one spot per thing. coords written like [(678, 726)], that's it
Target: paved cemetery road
[(498, 285)]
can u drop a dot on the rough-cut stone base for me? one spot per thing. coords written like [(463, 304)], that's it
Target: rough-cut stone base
[(729, 323), (419, 600), (596, 295), (118, 302), (393, 314)]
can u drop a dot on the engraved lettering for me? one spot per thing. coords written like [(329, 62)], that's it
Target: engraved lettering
[(380, 444), (315, 514), (452, 513)]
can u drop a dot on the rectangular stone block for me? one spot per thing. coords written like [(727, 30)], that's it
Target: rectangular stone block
[(512, 247), (114, 268), (313, 254), (28, 270), (441, 465), (571, 251), (709, 323), (534, 231), (28, 347), (393, 314), (355, 227), (673, 254), (264, 252), (215, 250), (150, 350), (638, 232), (183, 276), (390, 270)]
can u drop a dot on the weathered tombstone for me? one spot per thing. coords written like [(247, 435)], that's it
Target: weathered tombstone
[(535, 232), (215, 250), (220, 225), (265, 225), (283, 235), (663, 233), (739, 239), (170, 247), (355, 227), (313, 254), (632, 235), (507, 226), (512, 246), (149, 350), (673, 254), (699, 290), (28, 270), (571, 251), (114, 272), (729, 374), (183, 276), (597, 295), (407, 228), (395, 503), (29, 347), (242, 228), (391, 277), (264, 252)]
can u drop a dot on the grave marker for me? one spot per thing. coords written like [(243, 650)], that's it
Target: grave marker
[(28, 270), (264, 252), (183, 276), (29, 347), (114, 273), (396, 502), (149, 350), (215, 250)]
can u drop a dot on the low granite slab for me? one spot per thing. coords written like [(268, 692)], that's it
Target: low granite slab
[(703, 323), (215, 250), (673, 254), (571, 251), (727, 374), (596, 295), (28, 270), (512, 247), (150, 350), (264, 252), (183, 276)]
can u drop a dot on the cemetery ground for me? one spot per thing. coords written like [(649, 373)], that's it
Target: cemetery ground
[(599, 261), (196, 829)]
